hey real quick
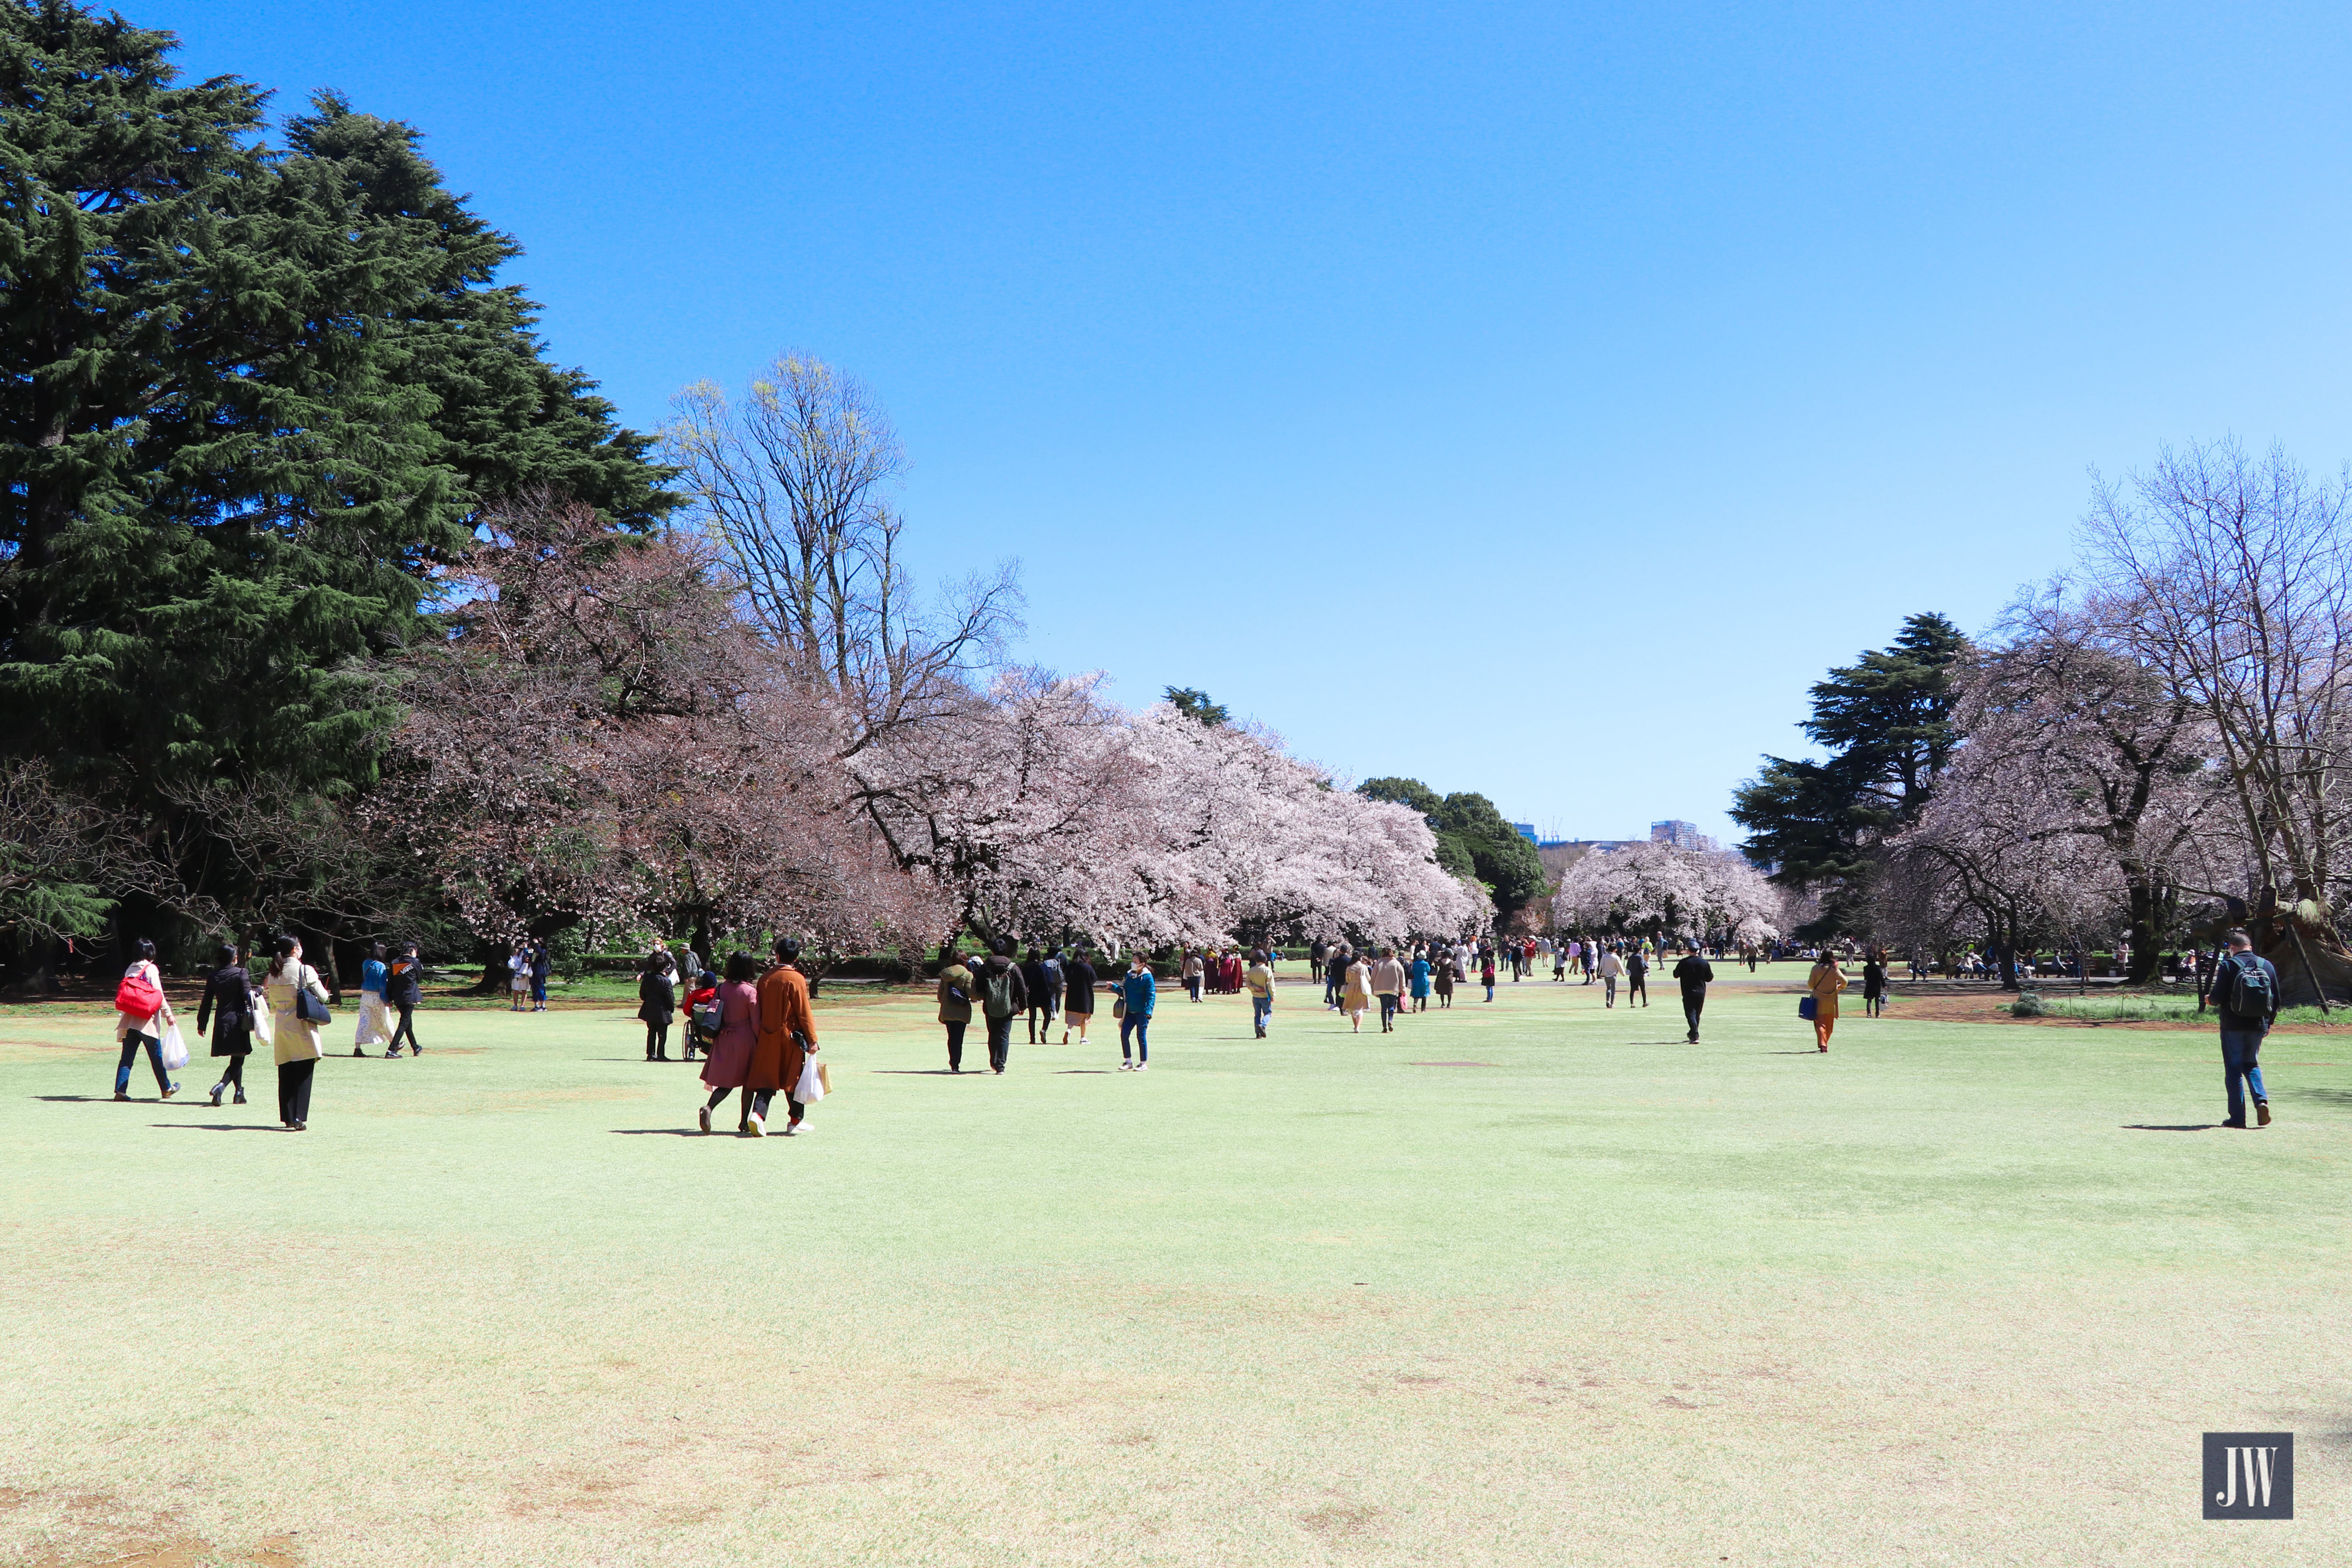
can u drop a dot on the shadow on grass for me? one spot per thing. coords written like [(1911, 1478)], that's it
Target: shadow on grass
[(1816, 1051), (221, 1126), (88, 1099), (665, 1132), (2184, 1127), (927, 1072), (2324, 1096), (1081, 1072)]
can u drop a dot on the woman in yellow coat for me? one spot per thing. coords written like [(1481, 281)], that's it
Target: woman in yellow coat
[(295, 1040), (1826, 982), (1356, 993)]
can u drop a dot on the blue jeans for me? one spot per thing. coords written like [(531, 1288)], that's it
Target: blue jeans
[(133, 1041), (1261, 1012), (2240, 1049), (1140, 1027)]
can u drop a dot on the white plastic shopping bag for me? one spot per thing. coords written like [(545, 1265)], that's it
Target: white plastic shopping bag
[(811, 1088), (175, 1049)]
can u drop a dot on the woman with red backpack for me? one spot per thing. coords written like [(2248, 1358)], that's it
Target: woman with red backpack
[(141, 1014)]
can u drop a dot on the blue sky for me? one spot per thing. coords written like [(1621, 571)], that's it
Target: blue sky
[(1534, 399)]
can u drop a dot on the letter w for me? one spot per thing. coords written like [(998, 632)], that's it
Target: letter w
[(2269, 1456)]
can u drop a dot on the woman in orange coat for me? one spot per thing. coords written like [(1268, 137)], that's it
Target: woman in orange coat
[(787, 1040), (1826, 982)]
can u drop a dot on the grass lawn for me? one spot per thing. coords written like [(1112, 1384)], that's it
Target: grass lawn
[(1533, 1282)]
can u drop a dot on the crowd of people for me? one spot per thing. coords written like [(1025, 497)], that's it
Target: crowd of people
[(751, 1026)]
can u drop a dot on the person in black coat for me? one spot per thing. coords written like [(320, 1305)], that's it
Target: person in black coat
[(1077, 994), (1694, 972), (657, 1000), (228, 1002), (404, 988)]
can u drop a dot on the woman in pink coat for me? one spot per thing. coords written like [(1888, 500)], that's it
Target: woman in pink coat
[(730, 1061)]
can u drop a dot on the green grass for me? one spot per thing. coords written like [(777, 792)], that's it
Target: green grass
[(2158, 1008), (1954, 1293)]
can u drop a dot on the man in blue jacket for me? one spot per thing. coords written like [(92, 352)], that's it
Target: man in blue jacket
[(2246, 992), (1138, 990)]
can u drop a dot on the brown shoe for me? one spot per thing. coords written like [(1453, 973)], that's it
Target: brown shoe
[(2262, 1112), (121, 1097)]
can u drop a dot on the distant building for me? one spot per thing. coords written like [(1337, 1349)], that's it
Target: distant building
[(1526, 830), (1681, 835)]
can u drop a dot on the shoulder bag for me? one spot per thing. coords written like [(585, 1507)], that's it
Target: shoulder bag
[(307, 1007)]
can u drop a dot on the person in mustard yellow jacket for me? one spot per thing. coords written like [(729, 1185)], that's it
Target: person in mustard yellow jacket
[(1826, 982), (787, 1040)]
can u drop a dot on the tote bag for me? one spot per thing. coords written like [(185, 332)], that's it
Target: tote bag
[(1808, 1007)]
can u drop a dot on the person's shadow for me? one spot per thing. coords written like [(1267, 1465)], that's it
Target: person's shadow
[(220, 1126), (2181, 1127)]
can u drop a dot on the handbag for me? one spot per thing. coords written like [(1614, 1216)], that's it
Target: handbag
[(1808, 1007), (706, 1016), (307, 1007), (825, 1076), (137, 995), (1118, 1007), (174, 1048)]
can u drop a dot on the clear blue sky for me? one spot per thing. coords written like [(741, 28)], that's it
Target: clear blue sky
[(1532, 398)]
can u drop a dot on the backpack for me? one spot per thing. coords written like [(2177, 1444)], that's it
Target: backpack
[(2252, 993), (996, 985), (137, 995)]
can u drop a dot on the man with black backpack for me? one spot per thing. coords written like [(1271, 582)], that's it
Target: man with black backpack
[(1004, 997), (2246, 992)]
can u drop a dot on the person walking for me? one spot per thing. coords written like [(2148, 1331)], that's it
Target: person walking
[(1356, 993), (1873, 983), (727, 1067), (374, 1027), (1826, 982), (1259, 981), (787, 1038), (1637, 977), (1004, 997), (1139, 993), (1443, 982), (295, 1038), (657, 1000), (1192, 968), (1051, 967), (404, 988), (1032, 983), (1388, 984), (1486, 971), (1079, 982), (2246, 993), (518, 977), (543, 964), (1694, 972), (227, 1007), (1610, 968), (1335, 977), (955, 1008), (141, 1014), (1418, 981)]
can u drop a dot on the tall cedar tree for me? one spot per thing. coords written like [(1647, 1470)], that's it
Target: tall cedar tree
[(248, 399), (1886, 724), (1472, 840)]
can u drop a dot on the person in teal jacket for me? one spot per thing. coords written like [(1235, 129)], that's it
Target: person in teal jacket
[(1420, 980), (1139, 990)]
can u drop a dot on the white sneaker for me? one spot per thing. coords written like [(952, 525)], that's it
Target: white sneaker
[(757, 1128), (1126, 1066), (793, 1128), (802, 1125), (1143, 1067)]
